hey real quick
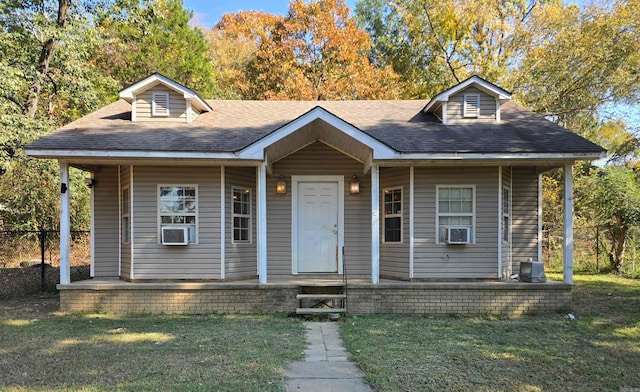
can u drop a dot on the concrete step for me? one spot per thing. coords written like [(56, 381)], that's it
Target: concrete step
[(321, 296), (320, 310)]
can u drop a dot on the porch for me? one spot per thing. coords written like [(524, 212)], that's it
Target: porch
[(507, 298)]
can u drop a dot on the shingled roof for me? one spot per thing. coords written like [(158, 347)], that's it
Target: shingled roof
[(233, 125)]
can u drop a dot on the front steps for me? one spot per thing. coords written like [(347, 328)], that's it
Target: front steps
[(322, 299)]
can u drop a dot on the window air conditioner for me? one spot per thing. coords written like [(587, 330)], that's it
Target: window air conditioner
[(458, 235), (172, 235)]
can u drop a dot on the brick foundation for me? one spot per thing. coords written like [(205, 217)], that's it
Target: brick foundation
[(393, 298)]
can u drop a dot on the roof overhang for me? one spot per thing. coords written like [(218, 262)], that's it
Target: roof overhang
[(476, 81), (130, 92)]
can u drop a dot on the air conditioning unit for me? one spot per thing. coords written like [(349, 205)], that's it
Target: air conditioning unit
[(175, 235), (458, 235)]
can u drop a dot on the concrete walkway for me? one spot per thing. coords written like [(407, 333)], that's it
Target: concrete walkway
[(326, 367)]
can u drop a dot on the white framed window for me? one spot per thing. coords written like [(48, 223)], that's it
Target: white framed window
[(506, 214), (178, 207), (471, 108), (392, 210), (240, 215), (455, 208), (125, 211), (160, 104)]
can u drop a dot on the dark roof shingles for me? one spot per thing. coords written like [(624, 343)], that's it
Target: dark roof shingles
[(234, 125)]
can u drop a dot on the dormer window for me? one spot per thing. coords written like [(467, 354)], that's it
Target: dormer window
[(471, 106), (160, 104)]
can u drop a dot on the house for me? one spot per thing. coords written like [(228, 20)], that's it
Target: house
[(235, 206)]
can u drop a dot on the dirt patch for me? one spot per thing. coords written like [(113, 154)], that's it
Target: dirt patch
[(34, 306)]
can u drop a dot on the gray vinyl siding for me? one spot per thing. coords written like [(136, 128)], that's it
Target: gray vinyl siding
[(394, 257), (319, 159), (442, 261), (525, 215), (241, 258), (152, 260), (456, 104), (506, 246), (105, 222), (125, 180), (177, 106)]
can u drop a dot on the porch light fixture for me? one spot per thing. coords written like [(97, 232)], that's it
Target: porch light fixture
[(90, 182), (354, 186), (281, 186)]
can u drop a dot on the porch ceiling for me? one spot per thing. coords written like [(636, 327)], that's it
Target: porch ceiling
[(319, 130)]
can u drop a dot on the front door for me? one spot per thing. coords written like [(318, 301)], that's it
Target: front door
[(317, 226)]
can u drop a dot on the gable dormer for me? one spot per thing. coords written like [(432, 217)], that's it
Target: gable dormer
[(158, 98), (471, 101)]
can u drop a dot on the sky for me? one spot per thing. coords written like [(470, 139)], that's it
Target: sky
[(209, 12)]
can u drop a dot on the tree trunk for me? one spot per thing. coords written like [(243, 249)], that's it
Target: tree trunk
[(46, 54), (617, 237)]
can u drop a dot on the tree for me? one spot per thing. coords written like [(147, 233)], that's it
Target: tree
[(150, 36), (45, 47), (435, 44), (614, 195), (316, 52)]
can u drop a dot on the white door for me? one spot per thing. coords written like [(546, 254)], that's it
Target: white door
[(317, 227)]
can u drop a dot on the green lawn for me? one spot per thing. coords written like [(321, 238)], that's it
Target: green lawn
[(151, 353), (599, 351)]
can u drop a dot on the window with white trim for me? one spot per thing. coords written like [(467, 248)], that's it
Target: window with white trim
[(456, 208), (125, 206), (241, 215), (160, 104), (506, 214), (392, 210), (178, 207), (471, 106)]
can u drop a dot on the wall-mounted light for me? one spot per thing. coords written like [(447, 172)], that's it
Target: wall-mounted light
[(281, 186), (91, 182), (63, 188), (354, 186)]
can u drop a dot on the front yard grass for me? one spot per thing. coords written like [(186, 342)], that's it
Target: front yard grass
[(599, 351), (97, 352)]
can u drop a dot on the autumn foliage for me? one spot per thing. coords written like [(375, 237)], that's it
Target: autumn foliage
[(316, 52)]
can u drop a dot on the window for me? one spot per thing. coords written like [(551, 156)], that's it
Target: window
[(160, 104), (178, 205), (471, 105), (456, 208), (125, 213), (506, 214), (241, 215), (393, 215)]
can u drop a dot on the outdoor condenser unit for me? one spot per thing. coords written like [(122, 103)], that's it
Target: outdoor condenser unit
[(532, 271)]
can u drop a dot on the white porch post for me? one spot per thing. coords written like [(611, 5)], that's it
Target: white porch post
[(412, 188), (223, 222), (540, 233), (65, 224), (262, 222), (568, 225), (375, 224)]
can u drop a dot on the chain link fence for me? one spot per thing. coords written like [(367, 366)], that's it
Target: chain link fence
[(30, 260), (591, 250)]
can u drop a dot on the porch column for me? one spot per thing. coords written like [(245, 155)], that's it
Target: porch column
[(375, 224), (262, 222), (65, 224), (568, 225)]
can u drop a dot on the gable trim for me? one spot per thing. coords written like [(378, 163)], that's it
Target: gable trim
[(130, 92), (256, 149), (488, 87)]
